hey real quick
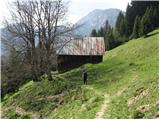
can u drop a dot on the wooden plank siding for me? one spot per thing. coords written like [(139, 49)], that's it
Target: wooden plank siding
[(81, 51), (68, 62)]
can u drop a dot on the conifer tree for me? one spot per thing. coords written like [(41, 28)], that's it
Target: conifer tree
[(122, 28), (94, 33), (107, 30), (100, 32), (120, 18), (155, 18), (136, 27), (146, 25)]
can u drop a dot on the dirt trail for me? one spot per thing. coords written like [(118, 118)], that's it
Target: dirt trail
[(100, 113)]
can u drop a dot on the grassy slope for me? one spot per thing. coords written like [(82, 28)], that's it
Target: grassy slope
[(126, 73)]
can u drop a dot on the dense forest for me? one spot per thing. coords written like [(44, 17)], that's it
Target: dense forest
[(140, 18)]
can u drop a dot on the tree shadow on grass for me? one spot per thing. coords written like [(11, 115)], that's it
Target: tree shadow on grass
[(148, 35)]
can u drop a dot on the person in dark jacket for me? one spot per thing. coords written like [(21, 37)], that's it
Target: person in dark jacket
[(85, 75)]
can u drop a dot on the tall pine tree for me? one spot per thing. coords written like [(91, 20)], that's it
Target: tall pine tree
[(107, 32), (138, 8), (100, 32), (146, 22), (136, 27), (119, 21), (94, 33)]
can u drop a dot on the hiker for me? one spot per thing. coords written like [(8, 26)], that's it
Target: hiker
[(85, 75)]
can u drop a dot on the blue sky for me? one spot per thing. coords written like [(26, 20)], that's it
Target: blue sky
[(77, 8)]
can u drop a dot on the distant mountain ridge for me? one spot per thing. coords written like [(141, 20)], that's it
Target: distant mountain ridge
[(95, 19)]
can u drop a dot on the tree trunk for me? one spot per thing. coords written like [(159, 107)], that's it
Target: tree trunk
[(34, 73), (49, 75), (34, 64)]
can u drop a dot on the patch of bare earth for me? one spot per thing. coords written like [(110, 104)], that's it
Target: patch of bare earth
[(156, 114), (120, 92), (100, 114), (21, 111), (143, 108), (140, 95)]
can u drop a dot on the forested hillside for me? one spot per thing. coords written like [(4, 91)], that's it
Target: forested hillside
[(141, 17), (96, 19)]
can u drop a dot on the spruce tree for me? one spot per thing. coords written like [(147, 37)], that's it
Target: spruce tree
[(151, 19), (111, 41), (136, 27), (122, 28), (120, 18), (107, 27), (94, 33), (155, 18), (138, 8), (100, 32), (107, 32), (146, 25)]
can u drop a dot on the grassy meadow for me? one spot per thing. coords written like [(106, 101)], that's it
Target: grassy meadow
[(128, 76)]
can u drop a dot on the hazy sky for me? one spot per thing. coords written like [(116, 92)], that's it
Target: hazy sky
[(77, 8), (80, 8)]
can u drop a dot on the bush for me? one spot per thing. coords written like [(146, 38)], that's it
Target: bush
[(138, 115), (25, 116), (12, 115)]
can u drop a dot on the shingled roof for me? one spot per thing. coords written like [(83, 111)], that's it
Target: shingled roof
[(85, 46)]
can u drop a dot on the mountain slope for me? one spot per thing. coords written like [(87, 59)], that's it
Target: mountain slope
[(124, 85), (96, 19)]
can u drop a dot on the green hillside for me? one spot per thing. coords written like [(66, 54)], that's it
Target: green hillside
[(124, 85)]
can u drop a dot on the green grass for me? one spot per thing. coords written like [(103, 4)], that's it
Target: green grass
[(124, 74)]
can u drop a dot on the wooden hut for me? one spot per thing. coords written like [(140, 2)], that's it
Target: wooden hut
[(81, 51)]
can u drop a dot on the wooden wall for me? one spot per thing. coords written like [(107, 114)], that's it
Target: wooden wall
[(68, 62)]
